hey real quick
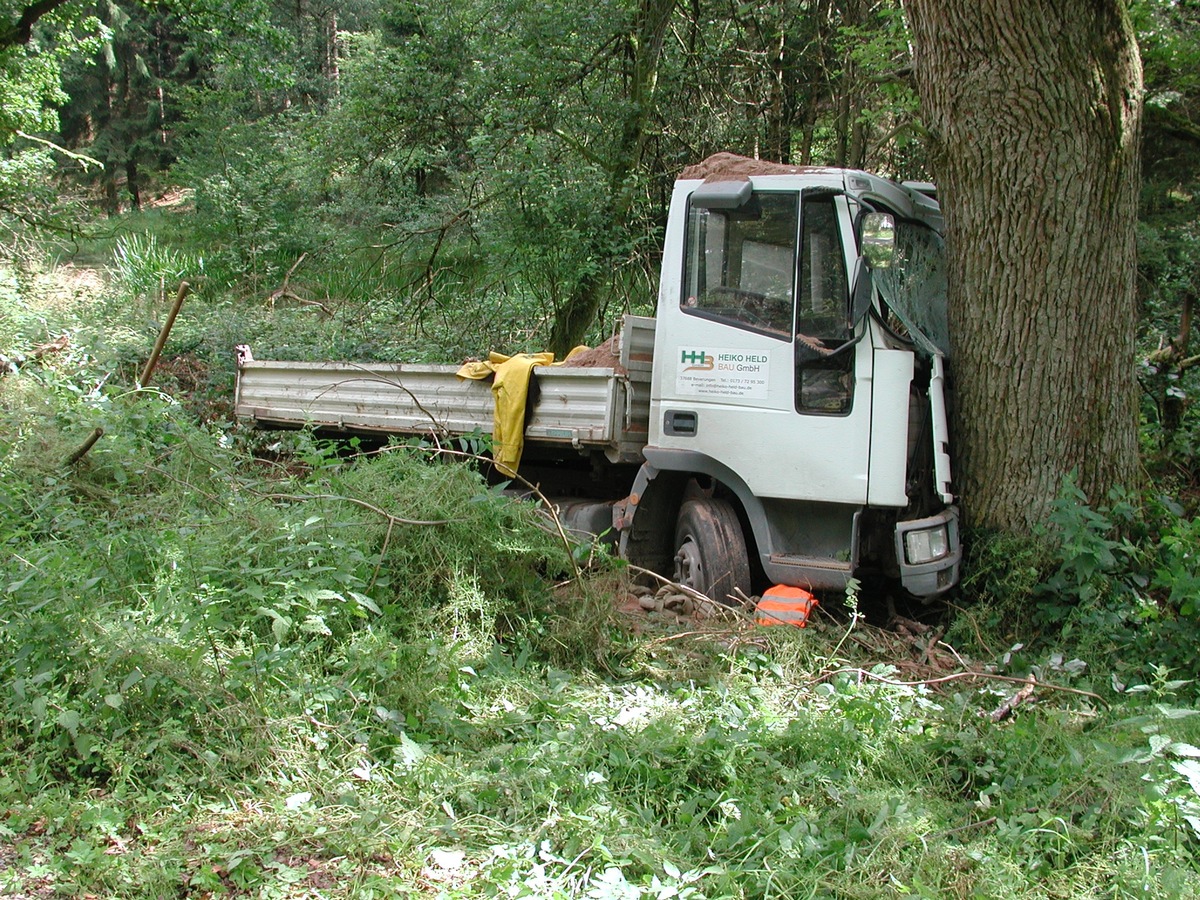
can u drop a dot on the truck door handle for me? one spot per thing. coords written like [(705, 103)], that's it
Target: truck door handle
[(681, 423)]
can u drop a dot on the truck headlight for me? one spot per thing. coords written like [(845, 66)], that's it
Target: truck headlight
[(926, 545)]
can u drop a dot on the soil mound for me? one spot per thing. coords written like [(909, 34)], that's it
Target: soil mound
[(606, 356)]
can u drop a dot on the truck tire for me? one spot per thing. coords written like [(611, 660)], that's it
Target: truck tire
[(710, 550)]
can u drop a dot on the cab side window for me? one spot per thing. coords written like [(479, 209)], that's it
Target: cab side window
[(740, 265), (824, 362), (824, 307)]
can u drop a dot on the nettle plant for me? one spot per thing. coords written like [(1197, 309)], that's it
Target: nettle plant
[(1123, 575)]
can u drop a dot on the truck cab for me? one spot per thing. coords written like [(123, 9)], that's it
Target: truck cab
[(797, 427)]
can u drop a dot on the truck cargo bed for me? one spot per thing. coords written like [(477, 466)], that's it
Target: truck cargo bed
[(604, 408)]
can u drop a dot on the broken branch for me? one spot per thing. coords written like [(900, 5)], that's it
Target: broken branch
[(85, 446), (956, 676), (396, 520), (148, 369), (1004, 710)]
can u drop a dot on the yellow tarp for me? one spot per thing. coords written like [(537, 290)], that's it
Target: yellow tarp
[(510, 390)]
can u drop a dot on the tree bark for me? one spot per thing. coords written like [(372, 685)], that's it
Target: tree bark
[(133, 180), (1034, 113)]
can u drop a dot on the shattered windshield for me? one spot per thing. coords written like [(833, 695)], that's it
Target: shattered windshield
[(914, 287)]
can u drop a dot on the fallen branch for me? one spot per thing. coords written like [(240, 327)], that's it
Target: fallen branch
[(285, 290), (529, 485), (733, 633), (87, 445), (148, 369), (438, 429), (962, 662), (902, 624), (711, 608), (956, 676), (392, 521), (667, 582), (931, 645), (328, 313), (445, 451), (57, 345), (387, 542), (396, 520), (982, 823), (13, 363), (1004, 710)]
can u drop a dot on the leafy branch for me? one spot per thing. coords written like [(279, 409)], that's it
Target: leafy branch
[(21, 31)]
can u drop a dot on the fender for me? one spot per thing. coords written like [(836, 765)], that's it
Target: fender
[(779, 528)]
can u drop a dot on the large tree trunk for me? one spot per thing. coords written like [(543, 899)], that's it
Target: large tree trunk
[(1034, 109)]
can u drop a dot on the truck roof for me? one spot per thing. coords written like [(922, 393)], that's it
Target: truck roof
[(910, 200)]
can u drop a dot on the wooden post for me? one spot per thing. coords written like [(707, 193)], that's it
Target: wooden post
[(148, 369)]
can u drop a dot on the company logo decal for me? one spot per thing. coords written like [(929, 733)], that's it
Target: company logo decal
[(723, 372)]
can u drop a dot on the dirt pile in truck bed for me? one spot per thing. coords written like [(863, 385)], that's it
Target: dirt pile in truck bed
[(606, 356), (731, 167)]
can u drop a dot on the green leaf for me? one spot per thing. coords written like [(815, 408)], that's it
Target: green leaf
[(314, 624), (296, 801), (68, 719), (131, 679), (366, 602), (1176, 712), (279, 622), (15, 586), (409, 753), (1190, 770)]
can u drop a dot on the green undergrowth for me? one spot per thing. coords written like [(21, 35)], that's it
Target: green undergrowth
[(1119, 582), (277, 667), (354, 306)]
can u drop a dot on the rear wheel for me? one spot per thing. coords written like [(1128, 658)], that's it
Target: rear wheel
[(710, 554)]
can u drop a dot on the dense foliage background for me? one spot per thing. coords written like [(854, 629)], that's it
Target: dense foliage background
[(242, 663)]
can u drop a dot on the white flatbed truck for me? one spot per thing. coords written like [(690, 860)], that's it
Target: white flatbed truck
[(782, 419)]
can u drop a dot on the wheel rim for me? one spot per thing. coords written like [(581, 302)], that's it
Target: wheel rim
[(689, 567)]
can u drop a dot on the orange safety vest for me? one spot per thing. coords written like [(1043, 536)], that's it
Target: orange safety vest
[(783, 605)]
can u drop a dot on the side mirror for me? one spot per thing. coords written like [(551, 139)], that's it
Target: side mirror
[(722, 194), (878, 239)]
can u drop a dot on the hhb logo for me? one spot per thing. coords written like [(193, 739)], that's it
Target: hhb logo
[(700, 361)]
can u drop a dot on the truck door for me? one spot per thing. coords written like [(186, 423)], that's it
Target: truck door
[(759, 368)]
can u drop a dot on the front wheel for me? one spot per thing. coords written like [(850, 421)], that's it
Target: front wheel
[(710, 554)]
